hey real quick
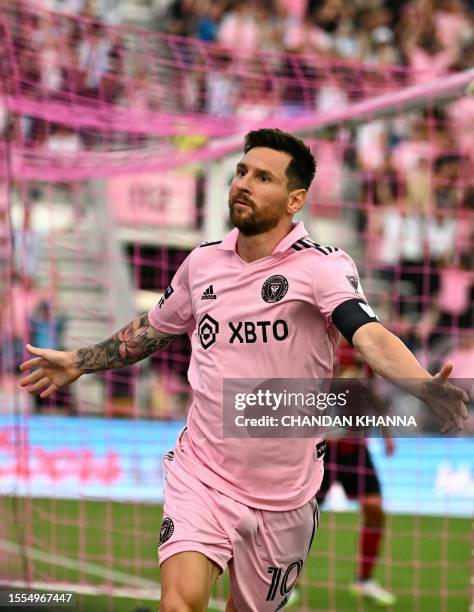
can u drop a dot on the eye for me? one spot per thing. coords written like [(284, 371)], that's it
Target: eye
[(240, 172), (264, 178)]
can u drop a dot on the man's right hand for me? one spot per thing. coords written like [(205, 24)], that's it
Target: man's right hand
[(53, 369), (50, 370)]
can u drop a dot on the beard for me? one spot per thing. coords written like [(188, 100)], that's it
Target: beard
[(250, 221)]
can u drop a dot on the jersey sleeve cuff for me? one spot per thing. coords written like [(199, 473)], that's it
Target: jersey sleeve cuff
[(162, 327)]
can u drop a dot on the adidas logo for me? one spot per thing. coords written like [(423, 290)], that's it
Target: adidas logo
[(209, 294)]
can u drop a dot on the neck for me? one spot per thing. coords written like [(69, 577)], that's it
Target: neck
[(251, 248)]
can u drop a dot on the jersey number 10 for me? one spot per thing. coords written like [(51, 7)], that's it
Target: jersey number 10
[(285, 582)]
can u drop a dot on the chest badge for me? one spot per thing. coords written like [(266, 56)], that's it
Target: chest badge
[(274, 288)]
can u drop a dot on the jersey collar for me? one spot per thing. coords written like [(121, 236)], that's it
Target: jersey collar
[(229, 242)]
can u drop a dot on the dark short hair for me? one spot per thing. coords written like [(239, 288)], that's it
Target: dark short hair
[(302, 167)]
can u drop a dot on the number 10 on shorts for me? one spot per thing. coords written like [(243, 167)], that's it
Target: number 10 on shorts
[(283, 581)]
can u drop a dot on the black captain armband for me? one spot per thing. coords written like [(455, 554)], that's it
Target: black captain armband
[(351, 315)]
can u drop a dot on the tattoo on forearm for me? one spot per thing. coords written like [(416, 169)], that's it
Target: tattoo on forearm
[(132, 343)]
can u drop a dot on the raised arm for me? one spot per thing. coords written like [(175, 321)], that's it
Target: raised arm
[(53, 369)]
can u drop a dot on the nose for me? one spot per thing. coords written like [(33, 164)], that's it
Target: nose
[(243, 183)]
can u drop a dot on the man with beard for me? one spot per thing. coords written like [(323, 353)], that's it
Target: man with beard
[(265, 302)]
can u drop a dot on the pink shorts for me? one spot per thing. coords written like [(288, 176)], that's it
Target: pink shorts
[(264, 551)]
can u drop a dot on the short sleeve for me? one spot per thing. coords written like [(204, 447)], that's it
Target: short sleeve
[(339, 295), (173, 314), (336, 280)]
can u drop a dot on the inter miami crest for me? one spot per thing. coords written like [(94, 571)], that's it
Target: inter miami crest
[(166, 531), (274, 288)]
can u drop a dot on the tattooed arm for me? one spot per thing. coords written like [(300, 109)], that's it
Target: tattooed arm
[(53, 369), (134, 342)]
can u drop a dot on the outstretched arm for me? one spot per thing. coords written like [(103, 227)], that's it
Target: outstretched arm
[(134, 342), (53, 369), (388, 356)]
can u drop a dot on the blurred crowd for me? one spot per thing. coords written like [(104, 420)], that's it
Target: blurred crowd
[(413, 208), (430, 36), (283, 56)]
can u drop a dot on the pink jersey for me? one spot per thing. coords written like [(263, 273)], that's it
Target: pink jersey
[(270, 318)]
